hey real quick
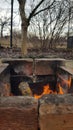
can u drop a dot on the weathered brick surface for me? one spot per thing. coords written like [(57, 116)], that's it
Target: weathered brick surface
[(5, 86), (56, 122), (41, 68), (18, 113), (21, 113), (56, 112)]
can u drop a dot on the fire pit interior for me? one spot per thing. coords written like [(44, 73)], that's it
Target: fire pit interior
[(47, 82), (43, 76)]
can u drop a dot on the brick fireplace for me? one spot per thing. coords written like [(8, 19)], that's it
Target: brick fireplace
[(41, 74), (53, 110)]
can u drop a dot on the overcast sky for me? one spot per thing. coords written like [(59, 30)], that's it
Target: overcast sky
[(5, 11), (6, 4)]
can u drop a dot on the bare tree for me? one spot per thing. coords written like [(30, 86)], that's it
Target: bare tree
[(26, 21), (50, 23), (58, 16), (61, 20), (4, 22)]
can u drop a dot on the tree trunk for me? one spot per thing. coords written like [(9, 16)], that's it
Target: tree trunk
[(24, 40), (2, 31), (26, 22), (24, 26)]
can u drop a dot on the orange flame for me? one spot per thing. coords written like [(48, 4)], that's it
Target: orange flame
[(60, 89), (68, 82), (47, 90), (7, 89)]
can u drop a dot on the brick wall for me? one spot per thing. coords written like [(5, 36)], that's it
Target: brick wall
[(51, 112), (18, 113), (56, 112)]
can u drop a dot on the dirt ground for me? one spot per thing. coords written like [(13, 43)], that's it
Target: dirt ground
[(54, 53), (50, 53)]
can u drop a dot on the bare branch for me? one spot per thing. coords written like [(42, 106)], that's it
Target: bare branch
[(34, 10), (47, 8)]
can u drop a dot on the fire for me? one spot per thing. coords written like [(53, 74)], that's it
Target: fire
[(7, 89), (47, 88), (68, 82), (60, 89)]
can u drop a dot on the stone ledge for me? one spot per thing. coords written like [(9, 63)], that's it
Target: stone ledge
[(18, 101), (18, 113), (56, 112), (67, 69), (8, 60), (56, 104), (25, 113)]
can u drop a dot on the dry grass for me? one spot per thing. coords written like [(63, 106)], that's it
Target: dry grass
[(5, 42)]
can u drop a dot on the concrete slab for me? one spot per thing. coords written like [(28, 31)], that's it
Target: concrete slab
[(67, 69), (30, 59), (3, 67)]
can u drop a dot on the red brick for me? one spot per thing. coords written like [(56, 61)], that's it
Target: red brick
[(56, 112), (18, 113)]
